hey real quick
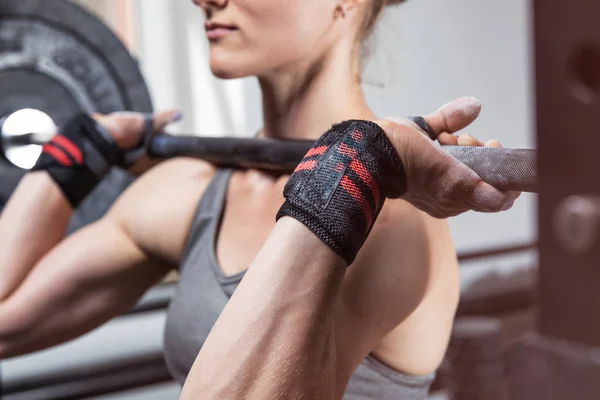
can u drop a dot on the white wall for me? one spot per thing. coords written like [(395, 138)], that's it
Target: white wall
[(428, 52), (173, 52), (431, 51)]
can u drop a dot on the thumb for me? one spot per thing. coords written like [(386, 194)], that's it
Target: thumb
[(134, 122), (453, 116), (163, 118), (126, 127)]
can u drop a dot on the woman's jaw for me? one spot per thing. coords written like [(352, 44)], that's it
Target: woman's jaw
[(308, 68)]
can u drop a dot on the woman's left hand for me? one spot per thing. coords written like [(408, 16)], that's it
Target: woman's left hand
[(465, 139), (436, 182)]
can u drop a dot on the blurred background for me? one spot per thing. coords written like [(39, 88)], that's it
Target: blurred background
[(423, 54)]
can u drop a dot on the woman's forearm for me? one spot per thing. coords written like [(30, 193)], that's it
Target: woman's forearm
[(34, 220), (275, 338)]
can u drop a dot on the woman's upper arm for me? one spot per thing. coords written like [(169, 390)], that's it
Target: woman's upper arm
[(83, 282), (396, 274), (101, 270)]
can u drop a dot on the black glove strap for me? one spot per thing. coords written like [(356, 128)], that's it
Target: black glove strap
[(79, 157), (341, 185)]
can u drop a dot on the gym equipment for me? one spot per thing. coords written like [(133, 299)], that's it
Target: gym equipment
[(476, 358), (505, 169), (57, 58), (560, 359)]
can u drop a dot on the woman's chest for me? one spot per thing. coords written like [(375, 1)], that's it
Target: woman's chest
[(248, 219)]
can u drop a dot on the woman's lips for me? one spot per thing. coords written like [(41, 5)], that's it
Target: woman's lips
[(215, 30)]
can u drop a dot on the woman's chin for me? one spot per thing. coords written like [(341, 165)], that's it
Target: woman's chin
[(223, 73), (226, 70)]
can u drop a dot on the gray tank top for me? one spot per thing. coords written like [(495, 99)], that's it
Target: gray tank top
[(203, 291)]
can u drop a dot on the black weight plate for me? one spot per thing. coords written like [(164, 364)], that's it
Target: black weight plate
[(58, 58), (9, 179)]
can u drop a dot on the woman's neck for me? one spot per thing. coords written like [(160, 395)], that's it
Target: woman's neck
[(303, 103)]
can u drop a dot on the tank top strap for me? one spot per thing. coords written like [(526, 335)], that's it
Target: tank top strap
[(209, 210)]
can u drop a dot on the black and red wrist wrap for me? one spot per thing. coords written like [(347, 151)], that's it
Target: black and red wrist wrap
[(79, 157), (340, 187)]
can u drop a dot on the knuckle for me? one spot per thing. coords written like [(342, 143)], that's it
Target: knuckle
[(500, 206), (388, 126)]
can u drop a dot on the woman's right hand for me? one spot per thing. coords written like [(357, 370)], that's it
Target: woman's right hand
[(437, 183), (127, 129)]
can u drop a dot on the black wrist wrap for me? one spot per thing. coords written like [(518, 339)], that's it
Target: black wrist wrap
[(339, 188), (79, 157)]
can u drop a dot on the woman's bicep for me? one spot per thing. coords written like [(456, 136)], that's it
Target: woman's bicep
[(386, 284), (92, 276), (399, 303)]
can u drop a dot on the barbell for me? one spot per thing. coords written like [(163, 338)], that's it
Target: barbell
[(506, 169)]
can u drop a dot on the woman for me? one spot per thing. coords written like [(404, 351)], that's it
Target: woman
[(398, 297), (284, 333)]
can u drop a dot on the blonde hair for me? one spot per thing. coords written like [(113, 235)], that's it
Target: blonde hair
[(372, 15)]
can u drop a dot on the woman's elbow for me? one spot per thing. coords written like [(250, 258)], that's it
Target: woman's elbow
[(14, 328)]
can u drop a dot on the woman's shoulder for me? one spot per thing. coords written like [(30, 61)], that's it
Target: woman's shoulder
[(413, 238), (158, 208), (400, 214), (167, 180), (403, 230), (180, 169)]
